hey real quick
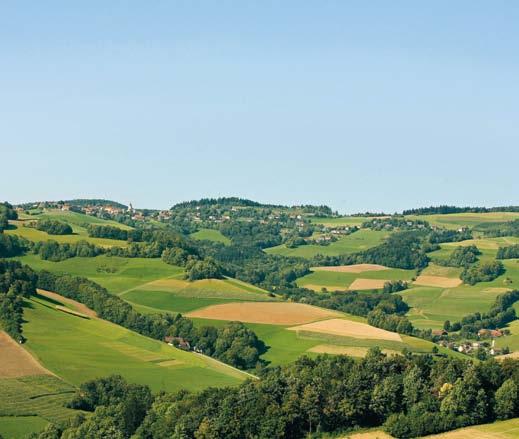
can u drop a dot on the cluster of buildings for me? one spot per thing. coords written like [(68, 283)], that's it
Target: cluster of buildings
[(486, 342)]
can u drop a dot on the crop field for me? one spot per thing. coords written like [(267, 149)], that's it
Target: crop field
[(211, 235), (358, 241), (15, 361), (341, 280), (457, 220), (347, 328), (275, 313), (78, 350), (114, 273), (29, 403), (437, 281), (498, 430)]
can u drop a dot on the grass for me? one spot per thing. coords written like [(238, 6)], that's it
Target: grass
[(32, 234), (18, 427), (340, 221), (79, 350), (333, 280), (211, 235), (361, 240), (457, 220), (499, 430), (114, 273)]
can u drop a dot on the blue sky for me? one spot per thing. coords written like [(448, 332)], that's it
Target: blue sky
[(361, 105)]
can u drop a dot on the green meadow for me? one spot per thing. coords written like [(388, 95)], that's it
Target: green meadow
[(29, 403), (211, 235), (114, 273), (340, 220), (337, 280), (358, 241), (457, 220), (79, 349)]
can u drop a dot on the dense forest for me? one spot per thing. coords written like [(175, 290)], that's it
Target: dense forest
[(442, 210), (408, 396)]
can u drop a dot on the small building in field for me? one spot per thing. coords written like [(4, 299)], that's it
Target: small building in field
[(439, 332), (178, 342)]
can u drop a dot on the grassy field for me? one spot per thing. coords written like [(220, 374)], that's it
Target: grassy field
[(336, 280), (340, 221), (361, 240), (29, 403), (211, 235), (114, 273), (457, 220), (178, 295), (78, 221), (498, 430), (79, 350), (285, 346)]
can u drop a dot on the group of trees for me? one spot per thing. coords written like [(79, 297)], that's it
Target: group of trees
[(482, 272), (400, 250), (510, 252), (446, 235), (6, 213), (500, 314), (16, 282), (460, 257), (12, 245), (395, 223), (233, 343), (409, 396), (239, 346), (510, 228), (53, 227), (55, 251)]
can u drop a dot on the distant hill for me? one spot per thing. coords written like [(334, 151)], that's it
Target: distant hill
[(443, 209), (78, 202)]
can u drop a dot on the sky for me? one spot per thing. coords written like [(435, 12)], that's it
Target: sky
[(360, 105)]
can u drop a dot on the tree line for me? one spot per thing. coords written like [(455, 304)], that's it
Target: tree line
[(443, 209), (53, 227), (407, 395), (233, 343)]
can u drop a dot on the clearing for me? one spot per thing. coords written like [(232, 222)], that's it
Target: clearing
[(437, 281), (211, 235), (275, 313), (347, 328), (15, 361)]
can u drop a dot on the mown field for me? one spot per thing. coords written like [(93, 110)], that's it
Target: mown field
[(210, 235), (114, 273), (457, 220), (341, 281), (78, 350), (178, 295), (29, 403), (361, 240)]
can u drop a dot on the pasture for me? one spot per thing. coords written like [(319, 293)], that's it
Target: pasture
[(29, 403), (78, 350), (340, 220), (457, 220), (211, 235), (358, 241), (343, 280), (498, 430), (114, 273)]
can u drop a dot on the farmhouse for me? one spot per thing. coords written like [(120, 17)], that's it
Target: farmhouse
[(178, 342), (490, 333), (439, 332)]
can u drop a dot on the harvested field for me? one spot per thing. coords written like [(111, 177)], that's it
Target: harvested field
[(353, 351), (15, 361), (437, 281), (265, 312), (370, 435), (367, 284), (82, 309), (348, 328), (357, 268), (498, 430)]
